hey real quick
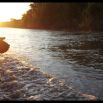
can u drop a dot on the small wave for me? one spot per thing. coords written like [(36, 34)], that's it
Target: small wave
[(21, 82)]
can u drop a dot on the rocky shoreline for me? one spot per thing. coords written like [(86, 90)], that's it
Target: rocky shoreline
[(19, 81)]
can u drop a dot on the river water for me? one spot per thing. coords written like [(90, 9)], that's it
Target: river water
[(77, 58)]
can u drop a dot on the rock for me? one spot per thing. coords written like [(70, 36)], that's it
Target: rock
[(3, 46)]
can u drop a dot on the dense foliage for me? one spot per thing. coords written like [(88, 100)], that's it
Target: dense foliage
[(62, 16)]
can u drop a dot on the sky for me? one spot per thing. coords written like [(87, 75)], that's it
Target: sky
[(14, 10)]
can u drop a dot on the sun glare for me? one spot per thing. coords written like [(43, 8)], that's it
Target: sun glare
[(13, 10)]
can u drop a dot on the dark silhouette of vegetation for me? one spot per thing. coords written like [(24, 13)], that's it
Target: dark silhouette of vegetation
[(62, 16)]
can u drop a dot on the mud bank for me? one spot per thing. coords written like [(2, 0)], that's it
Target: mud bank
[(19, 81)]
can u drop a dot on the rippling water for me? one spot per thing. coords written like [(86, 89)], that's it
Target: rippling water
[(75, 57)]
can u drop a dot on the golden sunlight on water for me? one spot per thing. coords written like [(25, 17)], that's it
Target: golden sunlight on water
[(75, 58)]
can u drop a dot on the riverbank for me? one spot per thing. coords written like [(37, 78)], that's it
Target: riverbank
[(20, 81)]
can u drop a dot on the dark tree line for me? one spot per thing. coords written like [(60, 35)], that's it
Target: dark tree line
[(62, 16)]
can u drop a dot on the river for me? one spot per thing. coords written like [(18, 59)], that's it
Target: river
[(77, 58)]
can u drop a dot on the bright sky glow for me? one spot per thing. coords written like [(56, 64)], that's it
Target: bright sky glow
[(13, 10)]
